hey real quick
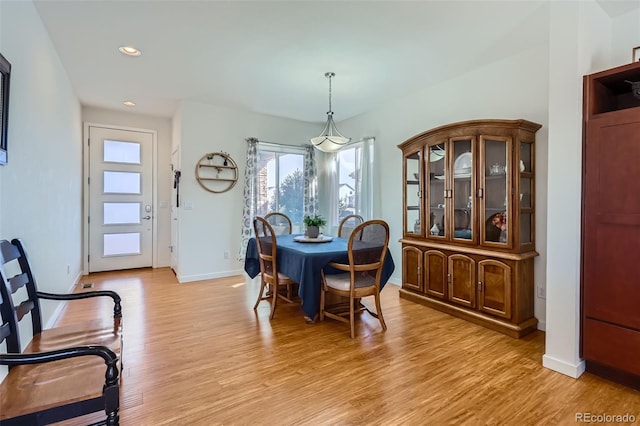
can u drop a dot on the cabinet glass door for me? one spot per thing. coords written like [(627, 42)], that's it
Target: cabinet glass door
[(526, 186), (436, 167), (412, 194), (495, 191), (462, 195)]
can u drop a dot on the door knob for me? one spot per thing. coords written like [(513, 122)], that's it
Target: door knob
[(147, 217)]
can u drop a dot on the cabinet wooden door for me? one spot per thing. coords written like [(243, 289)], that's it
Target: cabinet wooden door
[(494, 296), (412, 268), (462, 278), (612, 220), (435, 281), (611, 225)]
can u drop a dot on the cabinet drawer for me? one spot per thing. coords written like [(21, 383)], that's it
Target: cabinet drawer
[(611, 345)]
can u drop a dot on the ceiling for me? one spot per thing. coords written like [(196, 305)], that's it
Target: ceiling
[(270, 57)]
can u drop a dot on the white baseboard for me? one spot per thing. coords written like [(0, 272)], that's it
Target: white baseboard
[(542, 325), (568, 369), (201, 277)]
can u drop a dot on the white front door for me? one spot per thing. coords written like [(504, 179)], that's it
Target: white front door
[(120, 199)]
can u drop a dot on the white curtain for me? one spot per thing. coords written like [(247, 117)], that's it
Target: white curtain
[(333, 198), (368, 184), (310, 197), (250, 205)]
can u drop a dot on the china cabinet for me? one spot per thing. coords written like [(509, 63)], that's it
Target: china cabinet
[(469, 222), (610, 288)]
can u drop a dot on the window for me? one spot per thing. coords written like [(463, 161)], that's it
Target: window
[(281, 183), (347, 178), (353, 186)]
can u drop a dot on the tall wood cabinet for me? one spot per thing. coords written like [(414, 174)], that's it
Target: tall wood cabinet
[(469, 222), (611, 224)]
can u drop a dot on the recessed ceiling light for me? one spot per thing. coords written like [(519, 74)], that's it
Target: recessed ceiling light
[(129, 103), (129, 50)]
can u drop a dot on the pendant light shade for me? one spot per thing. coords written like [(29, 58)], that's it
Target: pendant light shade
[(330, 140)]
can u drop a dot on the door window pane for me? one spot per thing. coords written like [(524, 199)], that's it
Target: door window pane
[(121, 182), (121, 213), (348, 183), (121, 152), (121, 244)]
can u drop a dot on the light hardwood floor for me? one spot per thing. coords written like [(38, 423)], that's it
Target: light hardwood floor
[(197, 354)]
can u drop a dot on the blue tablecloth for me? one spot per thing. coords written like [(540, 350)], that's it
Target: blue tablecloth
[(302, 262)]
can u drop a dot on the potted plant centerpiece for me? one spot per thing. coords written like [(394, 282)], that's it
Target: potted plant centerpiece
[(313, 225)]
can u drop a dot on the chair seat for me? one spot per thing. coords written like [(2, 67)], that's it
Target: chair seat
[(343, 281), (49, 386), (284, 279), (100, 332)]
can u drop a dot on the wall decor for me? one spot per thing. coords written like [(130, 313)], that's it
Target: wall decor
[(636, 54), (216, 172), (5, 74)]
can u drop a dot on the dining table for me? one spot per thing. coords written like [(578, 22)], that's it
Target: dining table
[(303, 261)]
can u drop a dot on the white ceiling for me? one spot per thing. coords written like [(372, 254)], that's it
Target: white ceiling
[(270, 57)]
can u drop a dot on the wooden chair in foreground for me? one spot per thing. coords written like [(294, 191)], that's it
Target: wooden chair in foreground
[(367, 249), (280, 222), (64, 372), (270, 278), (348, 223)]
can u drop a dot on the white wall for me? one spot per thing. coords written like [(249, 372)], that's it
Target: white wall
[(164, 178), (213, 223), (40, 187), (625, 36), (583, 40)]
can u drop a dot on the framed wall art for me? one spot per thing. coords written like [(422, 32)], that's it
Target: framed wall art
[(5, 74), (636, 54)]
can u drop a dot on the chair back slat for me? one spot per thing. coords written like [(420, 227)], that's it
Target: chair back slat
[(5, 331), (280, 223), (348, 224), (16, 305), (368, 244), (266, 242), (8, 252), (17, 282), (24, 308)]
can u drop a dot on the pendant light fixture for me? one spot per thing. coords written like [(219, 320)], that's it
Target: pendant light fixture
[(330, 140)]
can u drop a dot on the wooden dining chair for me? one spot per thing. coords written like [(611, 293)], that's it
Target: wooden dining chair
[(367, 249), (270, 278), (348, 223), (280, 222)]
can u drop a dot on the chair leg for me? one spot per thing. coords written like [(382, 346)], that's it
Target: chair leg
[(352, 320), (274, 301), (322, 297), (262, 285), (379, 310)]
